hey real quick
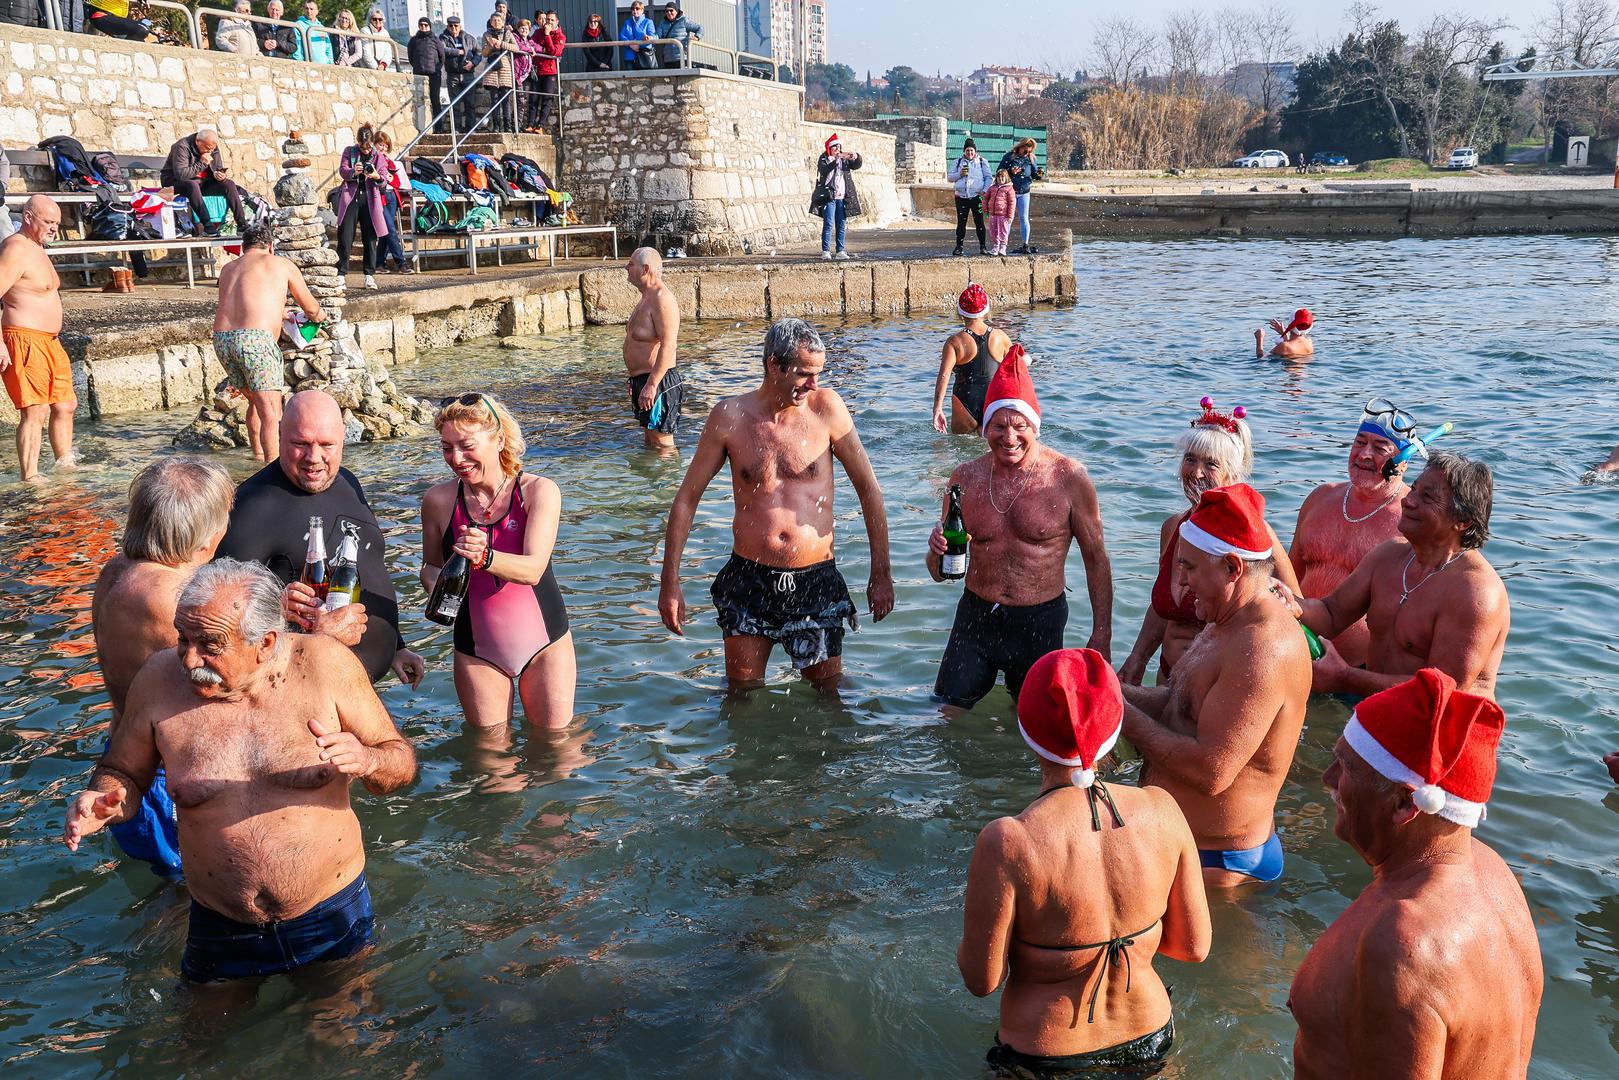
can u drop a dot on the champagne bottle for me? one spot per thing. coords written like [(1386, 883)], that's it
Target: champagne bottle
[(1317, 650), (953, 565), (450, 590), (345, 571), (317, 573)]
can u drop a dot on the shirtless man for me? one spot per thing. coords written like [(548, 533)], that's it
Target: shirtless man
[(1430, 599), (252, 306), (1292, 341), (261, 733), (1339, 524), (1221, 735), (1612, 464), (650, 341), (782, 584), (1015, 607), (1434, 970), (178, 510), (970, 356), (33, 364)]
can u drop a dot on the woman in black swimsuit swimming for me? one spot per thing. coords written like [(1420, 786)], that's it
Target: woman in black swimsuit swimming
[(1069, 901), (972, 354)]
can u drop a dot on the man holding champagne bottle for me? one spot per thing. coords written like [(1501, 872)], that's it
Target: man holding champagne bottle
[(1016, 509)]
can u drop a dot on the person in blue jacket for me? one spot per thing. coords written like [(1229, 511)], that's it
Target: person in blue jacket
[(1019, 162), (675, 25), (638, 28)]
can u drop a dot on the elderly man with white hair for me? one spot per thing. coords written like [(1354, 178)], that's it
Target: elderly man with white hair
[(236, 35), (261, 733), (195, 168)]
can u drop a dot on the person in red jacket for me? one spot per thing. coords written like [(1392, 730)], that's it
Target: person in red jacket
[(548, 40)]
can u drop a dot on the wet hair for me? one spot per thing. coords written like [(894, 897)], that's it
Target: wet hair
[(260, 234), (1265, 566), (1235, 453), (175, 505), (1472, 494), (261, 614), (786, 338), (488, 414)]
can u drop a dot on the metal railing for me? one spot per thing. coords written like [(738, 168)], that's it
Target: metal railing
[(735, 62), (187, 17), (307, 33)]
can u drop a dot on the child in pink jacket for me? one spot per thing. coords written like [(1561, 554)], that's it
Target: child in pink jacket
[(1000, 203)]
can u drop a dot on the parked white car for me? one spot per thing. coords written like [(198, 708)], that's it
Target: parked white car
[(1463, 157), (1262, 159)]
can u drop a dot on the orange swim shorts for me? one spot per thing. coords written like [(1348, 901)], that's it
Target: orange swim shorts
[(39, 373)]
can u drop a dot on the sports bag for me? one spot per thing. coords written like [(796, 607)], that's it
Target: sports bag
[(112, 172), (110, 221)]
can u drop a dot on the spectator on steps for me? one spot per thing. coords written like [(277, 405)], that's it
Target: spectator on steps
[(320, 43), (638, 28), (598, 59), (523, 73), (426, 51), (460, 60), (281, 42), (346, 50), (378, 51), (674, 24), (548, 46), (237, 35), (498, 47), (360, 201), (195, 168)]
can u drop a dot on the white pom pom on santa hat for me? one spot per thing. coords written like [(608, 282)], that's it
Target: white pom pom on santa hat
[(1085, 777), (1430, 798)]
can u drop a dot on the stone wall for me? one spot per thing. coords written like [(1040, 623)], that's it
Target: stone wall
[(713, 163), (879, 192), (919, 143), (137, 99)]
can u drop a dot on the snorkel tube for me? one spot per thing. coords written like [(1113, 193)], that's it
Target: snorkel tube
[(1416, 446)]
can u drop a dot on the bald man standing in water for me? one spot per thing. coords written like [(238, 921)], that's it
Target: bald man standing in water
[(33, 364), (650, 342)]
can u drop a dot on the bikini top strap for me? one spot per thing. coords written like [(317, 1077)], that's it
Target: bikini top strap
[(1098, 791)]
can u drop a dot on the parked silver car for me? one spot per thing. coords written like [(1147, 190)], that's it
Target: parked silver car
[(1262, 159)]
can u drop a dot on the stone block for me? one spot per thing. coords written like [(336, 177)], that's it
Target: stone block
[(933, 285), (732, 292), (857, 289), (1046, 271), (376, 339), (182, 367), (553, 311), (806, 291), (887, 288), (666, 185), (404, 340), (125, 384), (706, 184), (520, 317), (576, 308), (608, 296), (1005, 279)]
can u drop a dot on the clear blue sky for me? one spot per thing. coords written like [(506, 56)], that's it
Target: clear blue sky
[(956, 36)]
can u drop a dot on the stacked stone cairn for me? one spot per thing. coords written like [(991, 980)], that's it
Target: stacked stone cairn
[(373, 407)]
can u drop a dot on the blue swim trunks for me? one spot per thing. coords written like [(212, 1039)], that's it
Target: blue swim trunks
[(1262, 863), (153, 834), (219, 948)]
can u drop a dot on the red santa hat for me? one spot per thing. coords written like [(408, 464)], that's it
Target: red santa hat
[(1229, 520), (1011, 388), (1434, 738), (1070, 710), (832, 141), (1302, 320), (973, 302)]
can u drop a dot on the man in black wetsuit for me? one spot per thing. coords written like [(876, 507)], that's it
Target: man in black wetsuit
[(270, 525), (1024, 504)]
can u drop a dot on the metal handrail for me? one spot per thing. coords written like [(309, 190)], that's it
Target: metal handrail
[(305, 31), (473, 80), (618, 47), (736, 56), (366, 35), (193, 31)]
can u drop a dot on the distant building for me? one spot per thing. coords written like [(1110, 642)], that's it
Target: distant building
[(401, 15), (798, 33), (1008, 83), (1250, 81)]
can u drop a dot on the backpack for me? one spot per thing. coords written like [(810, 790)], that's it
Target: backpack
[(74, 172), (112, 172), (258, 208), (109, 221), (432, 217)]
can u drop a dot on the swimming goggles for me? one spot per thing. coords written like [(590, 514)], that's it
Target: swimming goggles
[(1389, 416)]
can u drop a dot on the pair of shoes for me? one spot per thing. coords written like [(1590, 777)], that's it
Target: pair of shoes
[(1024, 250), (842, 256), (407, 269), (370, 282), (826, 254), (957, 251), (982, 250)]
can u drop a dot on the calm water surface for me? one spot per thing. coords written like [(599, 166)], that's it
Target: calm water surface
[(691, 886)]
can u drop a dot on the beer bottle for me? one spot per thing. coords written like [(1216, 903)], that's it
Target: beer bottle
[(345, 575), (954, 563), (317, 574), (450, 590)]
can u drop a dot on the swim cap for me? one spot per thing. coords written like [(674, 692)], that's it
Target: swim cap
[(1434, 738), (1302, 320), (973, 302), (1070, 710), (1380, 418)]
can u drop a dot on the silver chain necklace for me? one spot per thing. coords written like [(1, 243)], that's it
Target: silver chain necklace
[(1407, 590), (1356, 521), (1015, 494)]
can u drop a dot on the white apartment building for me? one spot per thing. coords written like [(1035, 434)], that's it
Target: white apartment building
[(401, 15), (798, 35)]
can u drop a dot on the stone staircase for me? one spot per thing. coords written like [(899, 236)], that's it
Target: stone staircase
[(540, 148)]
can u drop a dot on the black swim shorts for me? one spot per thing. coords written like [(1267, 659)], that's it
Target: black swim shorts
[(1135, 1060), (989, 638), (802, 610), (666, 406)]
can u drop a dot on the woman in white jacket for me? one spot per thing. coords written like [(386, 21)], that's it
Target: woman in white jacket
[(972, 177), (375, 53)]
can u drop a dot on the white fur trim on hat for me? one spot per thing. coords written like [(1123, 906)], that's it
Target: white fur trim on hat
[(1075, 762), (1010, 403), (1204, 540), (965, 314), (1430, 798)]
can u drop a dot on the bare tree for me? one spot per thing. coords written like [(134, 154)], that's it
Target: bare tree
[(1577, 25), (1380, 50), (1122, 49), (1274, 46), (1189, 45), (1444, 66)]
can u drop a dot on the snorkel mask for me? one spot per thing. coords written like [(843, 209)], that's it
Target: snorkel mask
[(1386, 420)]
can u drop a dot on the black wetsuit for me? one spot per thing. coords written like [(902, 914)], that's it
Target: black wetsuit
[(972, 378), (268, 525)]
